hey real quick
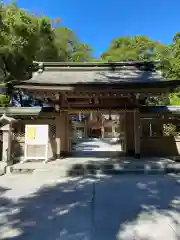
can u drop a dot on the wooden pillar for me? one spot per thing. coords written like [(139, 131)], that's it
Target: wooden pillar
[(113, 130), (85, 128), (58, 137), (129, 124), (137, 132), (62, 135), (65, 137), (69, 134), (91, 116), (102, 128), (122, 131)]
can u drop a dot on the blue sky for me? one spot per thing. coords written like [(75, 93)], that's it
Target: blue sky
[(97, 22)]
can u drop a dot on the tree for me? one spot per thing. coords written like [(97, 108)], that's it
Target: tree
[(140, 48), (25, 37), (18, 40), (136, 48), (69, 47), (174, 67), (46, 50)]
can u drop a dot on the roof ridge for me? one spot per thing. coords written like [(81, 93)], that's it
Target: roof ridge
[(96, 64)]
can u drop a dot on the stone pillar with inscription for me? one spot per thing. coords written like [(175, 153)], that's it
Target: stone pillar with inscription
[(6, 149), (6, 128)]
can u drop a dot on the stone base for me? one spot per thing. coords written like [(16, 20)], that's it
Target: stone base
[(130, 153), (57, 156), (63, 154), (137, 155)]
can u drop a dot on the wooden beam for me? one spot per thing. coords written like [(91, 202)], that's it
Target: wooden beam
[(104, 111), (111, 88)]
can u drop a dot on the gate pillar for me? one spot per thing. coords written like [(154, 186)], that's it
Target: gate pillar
[(129, 123), (62, 134), (137, 133)]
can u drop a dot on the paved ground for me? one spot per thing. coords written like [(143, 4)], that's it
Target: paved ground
[(41, 206), (96, 147), (92, 155)]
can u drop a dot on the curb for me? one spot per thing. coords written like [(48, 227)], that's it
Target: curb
[(95, 170)]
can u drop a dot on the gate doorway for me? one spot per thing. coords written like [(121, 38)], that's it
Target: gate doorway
[(104, 137)]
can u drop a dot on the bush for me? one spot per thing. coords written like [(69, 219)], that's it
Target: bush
[(4, 100)]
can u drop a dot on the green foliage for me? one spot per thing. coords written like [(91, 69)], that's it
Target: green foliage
[(25, 37), (69, 47), (174, 99), (142, 48), (158, 101), (4, 100), (46, 48), (136, 48), (18, 40)]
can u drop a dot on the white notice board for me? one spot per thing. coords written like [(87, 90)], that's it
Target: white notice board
[(36, 135)]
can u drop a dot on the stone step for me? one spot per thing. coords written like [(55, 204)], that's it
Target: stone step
[(20, 170), (71, 169), (115, 169), (44, 169)]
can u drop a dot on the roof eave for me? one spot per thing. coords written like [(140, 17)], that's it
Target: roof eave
[(89, 64), (20, 111), (171, 84)]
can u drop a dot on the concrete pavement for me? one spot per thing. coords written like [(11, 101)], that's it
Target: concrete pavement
[(92, 156), (125, 207)]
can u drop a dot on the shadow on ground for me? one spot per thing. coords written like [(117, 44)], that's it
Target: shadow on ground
[(121, 165), (101, 208)]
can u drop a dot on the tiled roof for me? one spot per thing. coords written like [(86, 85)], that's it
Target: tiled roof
[(95, 73)]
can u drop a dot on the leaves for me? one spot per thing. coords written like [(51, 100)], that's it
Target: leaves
[(135, 48), (25, 37), (142, 48)]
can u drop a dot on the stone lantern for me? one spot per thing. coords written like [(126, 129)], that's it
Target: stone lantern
[(6, 128)]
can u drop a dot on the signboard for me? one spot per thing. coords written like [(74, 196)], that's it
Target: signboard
[(36, 142), (36, 134)]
